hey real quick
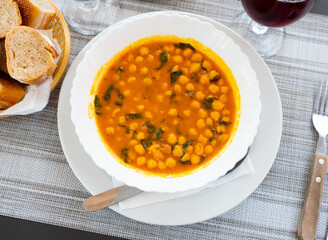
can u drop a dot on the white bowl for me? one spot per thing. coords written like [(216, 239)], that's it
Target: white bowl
[(122, 35)]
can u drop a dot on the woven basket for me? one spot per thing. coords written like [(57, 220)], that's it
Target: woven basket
[(61, 34)]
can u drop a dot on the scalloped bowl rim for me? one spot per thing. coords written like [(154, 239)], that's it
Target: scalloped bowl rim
[(129, 31)]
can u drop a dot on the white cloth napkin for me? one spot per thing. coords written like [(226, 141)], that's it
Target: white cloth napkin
[(146, 198)]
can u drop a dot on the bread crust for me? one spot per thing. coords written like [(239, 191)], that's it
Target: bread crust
[(48, 70), (19, 22), (33, 16), (11, 92), (3, 61)]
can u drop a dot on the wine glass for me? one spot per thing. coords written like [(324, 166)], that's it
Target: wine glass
[(263, 21), (89, 17)]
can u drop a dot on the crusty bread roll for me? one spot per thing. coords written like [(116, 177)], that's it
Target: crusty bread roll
[(3, 62), (30, 58), (36, 13), (9, 16), (11, 92)]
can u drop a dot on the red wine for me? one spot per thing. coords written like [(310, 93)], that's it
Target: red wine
[(277, 13)]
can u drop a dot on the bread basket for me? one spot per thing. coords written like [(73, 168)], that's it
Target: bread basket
[(60, 32)]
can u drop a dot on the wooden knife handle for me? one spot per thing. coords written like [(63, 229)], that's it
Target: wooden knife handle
[(311, 207)]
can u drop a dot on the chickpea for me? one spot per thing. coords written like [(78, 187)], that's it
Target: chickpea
[(161, 165), (190, 87), (177, 88), (200, 95), (181, 140), (226, 119), (141, 161), (225, 112), (197, 57), (144, 51), (150, 58), (223, 98), (213, 88), (139, 149), (187, 113), (147, 81), (224, 89), (206, 64), (202, 139), (133, 142), (187, 53), (215, 115), (208, 133), (195, 104), (195, 159), (194, 67), (217, 105), (131, 79), (132, 68), (170, 162), (222, 137), (209, 121), (121, 120), (173, 112), (199, 149), (144, 71), (177, 59), (126, 92), (189, 149), (202, 113), (192, 131), (186, 157), (140, 136), (133, 126), (172, 139), (148, 115), (177, 151), (220, 129), (141, 107), (110, 130), (212, 74), (204, 79), (130, 57), (151, 164), (208, 149), (201, 123), (139, 59), (183, 79), (160, 98)]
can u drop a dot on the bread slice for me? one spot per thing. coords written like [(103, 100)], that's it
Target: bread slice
[(11, 92), (30, 58), (36, 13), (9, 16)]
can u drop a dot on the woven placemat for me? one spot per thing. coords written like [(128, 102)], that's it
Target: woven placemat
[(37, 184)]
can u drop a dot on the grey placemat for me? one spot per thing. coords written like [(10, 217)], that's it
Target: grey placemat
[(37, 184)]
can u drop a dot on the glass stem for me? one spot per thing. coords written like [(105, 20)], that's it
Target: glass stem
[(88, 5), (258, 28)]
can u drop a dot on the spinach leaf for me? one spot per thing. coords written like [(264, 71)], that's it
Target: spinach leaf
[(146, 143), (107, 94), (221, 122), (207, 105), (202, 67), (163, 58), (159, 133), (210, 99), (184, 46), (119, 103), (215, 78), (186, 144), (124, 154), (151, 127), (133, 116), (96, 102), (119, 69), (175, 75)]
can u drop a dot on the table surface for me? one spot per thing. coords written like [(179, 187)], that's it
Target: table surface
[(37, 184)]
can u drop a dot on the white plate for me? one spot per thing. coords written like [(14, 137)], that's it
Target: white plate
[(160, 23), (205, 204)]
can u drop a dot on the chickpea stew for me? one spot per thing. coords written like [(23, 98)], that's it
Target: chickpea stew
[(165, 105)]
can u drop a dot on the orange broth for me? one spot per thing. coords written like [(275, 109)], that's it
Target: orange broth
[(166, 105)]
